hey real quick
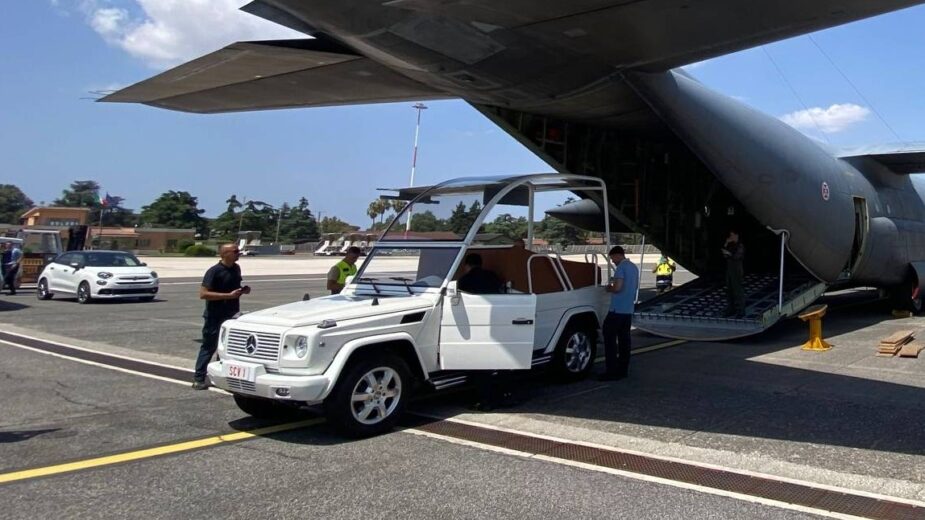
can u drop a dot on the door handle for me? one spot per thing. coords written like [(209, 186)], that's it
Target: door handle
[(522, 321)]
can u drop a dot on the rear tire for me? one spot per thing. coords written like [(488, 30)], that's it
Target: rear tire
[(575, 353), (83, 293), (370, 396), (262, 408), (42, 291)]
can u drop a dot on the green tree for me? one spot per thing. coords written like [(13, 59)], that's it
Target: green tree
[(81, 194), (13, 203), (427, 221), (336, 225), (225, 226), (174, 209), (298, 224), (508, 226)]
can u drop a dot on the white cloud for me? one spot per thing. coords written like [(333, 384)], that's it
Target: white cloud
[(830, 120), (164, 33)]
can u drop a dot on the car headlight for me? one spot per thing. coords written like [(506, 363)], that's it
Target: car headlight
[(104, 275), (301, 346), (153, 274), (223, 336)]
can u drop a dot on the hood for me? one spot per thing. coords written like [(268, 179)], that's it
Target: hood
[(121, 271), (337, 307)]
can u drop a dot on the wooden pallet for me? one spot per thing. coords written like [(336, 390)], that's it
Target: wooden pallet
[(893, 344), (912, 349)]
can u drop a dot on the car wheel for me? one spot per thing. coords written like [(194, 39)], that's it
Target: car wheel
[(369, 396), (83, 293), (42, 291), (575, 352), (262, 408)]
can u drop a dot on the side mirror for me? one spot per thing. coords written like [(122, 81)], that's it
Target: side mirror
[(306, 297), (144, 264), (75, 265)]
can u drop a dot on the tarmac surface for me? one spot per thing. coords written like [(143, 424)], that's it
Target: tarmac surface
[(843, 418)]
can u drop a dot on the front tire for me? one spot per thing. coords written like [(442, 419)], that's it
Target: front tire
[(83, 293), (370, 396), (42, 291), (575, 352)]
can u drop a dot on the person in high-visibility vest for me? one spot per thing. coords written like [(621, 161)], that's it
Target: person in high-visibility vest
[(664, 274), (337, 276)]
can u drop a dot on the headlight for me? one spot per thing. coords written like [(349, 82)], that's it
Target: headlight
[(153, 274), (222, 337), (104, 275), (301, 346)]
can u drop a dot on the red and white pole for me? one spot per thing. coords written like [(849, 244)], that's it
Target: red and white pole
[(414, 156)]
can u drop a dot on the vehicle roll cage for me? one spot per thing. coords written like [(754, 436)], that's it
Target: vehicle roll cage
[(533, 184)]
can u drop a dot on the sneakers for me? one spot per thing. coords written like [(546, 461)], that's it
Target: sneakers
[(200, 385)]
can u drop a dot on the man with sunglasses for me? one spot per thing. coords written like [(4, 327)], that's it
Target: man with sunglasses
[(222, 290)]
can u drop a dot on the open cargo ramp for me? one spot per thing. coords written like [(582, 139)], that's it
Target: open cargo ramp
[(694, 311)]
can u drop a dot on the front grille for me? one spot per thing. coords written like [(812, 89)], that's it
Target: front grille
[(267, 344), (240, 385)]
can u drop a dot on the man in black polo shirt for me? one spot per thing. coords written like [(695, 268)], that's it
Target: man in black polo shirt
[(221, 289), (476, 280)]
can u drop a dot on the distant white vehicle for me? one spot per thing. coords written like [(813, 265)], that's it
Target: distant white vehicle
[(362, 352), (91, 275)]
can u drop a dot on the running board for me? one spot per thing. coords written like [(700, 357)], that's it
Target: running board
[(694, 311)]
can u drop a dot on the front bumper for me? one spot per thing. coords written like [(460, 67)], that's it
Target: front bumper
[(307, 389), (117, 291)]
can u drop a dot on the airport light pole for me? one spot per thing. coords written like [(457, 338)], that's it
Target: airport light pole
[(420, 107)]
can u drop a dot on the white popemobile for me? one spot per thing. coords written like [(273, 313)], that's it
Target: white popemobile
[(363, 351)]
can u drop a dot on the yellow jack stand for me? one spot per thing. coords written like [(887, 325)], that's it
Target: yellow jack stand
[(814, 316)]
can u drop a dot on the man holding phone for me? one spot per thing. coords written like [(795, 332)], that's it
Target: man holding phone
[(222, 290), (619, 320)]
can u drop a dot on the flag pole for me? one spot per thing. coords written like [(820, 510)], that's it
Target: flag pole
[(99, 236)]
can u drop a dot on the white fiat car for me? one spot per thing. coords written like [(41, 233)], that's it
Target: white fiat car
[(91, 275)]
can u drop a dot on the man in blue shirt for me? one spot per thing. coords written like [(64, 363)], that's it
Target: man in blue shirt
[(12, 256), (619, 319)]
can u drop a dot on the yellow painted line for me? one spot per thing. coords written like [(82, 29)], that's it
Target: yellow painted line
[(147, 453), (650, 348), (660, 346)]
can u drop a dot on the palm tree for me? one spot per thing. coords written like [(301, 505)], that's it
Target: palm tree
[(372, 211)]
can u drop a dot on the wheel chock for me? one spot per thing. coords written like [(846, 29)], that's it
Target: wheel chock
[(814, 315)]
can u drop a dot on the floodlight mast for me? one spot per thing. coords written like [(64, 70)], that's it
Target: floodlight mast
[(420, 107)]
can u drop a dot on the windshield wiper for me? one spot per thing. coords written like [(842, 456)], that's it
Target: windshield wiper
[(371, 282), (404, 281)]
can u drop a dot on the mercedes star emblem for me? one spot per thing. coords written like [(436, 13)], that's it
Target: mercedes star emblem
[(251, 345)]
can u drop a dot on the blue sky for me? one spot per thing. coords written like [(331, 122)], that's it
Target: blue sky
[(58, 51)]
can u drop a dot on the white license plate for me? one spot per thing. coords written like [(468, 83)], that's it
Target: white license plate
[(238, 370)]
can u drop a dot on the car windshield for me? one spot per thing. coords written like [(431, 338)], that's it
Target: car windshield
[(111, 260), (443, 214), (414, 267)]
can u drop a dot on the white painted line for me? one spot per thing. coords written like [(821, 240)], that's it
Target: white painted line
[(100, 352), (104, 365), (627, 474), (682, 461)]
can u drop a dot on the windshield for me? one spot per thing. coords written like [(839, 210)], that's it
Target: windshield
[(111, 260), (443, 214), (415, 267)]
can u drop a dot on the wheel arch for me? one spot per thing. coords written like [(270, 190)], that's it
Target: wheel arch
[(400, 344), (583, 315)]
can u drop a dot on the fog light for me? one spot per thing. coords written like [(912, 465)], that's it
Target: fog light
[(282, 392), (101, 282)]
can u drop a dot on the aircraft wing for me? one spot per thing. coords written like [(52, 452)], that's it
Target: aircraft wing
[(903, 162), (274, 74)]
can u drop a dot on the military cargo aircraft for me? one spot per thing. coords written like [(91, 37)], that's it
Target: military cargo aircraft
[(594, 88)]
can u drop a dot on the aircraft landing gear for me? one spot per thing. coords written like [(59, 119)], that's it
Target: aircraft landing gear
[(907, 297)]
